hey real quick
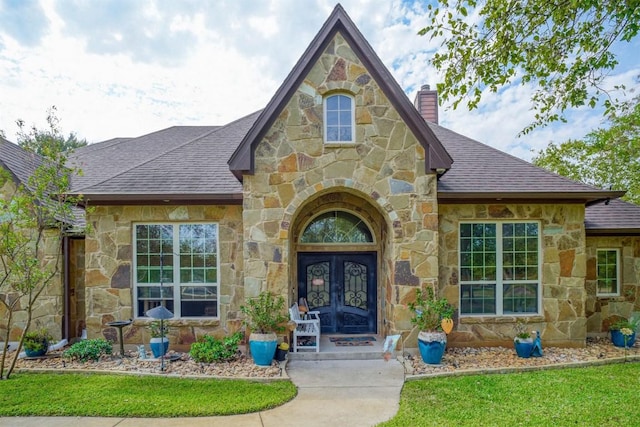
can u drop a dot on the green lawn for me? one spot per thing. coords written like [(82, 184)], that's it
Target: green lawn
[(595, 396), (97, 395)]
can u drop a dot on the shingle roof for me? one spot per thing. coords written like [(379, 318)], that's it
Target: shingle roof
[(481, 171), (242, 159), (19, 162), (614, 217), (177, 163)]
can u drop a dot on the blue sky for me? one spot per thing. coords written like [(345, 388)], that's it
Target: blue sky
[(126, 68)]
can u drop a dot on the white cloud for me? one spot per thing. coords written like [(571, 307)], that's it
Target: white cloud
[(123, 68)]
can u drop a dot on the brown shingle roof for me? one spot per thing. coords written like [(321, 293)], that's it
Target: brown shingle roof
[(17, 161), (483, 172), (242, 159), (615, 217), (178, 163)]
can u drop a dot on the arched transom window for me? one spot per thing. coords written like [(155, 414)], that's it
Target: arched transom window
[(339, 118), (336, 227)]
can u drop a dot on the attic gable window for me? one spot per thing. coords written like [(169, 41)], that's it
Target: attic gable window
[(339, 119)]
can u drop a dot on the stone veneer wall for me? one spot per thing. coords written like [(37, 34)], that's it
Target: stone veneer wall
[(47, 310), (563, 321), (108, 275), (385, 166), (602, 311)]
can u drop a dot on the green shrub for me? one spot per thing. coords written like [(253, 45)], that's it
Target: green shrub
[(88, 349), (209, 349)]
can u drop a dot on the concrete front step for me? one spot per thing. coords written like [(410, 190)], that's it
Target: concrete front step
[(350, 355)]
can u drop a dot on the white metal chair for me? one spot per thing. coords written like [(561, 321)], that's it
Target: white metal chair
[(306, 335)]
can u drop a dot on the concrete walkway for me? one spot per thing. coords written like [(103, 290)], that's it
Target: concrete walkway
[(330, 392)]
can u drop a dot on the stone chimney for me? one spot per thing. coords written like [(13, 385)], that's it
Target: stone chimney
[(427, 103)]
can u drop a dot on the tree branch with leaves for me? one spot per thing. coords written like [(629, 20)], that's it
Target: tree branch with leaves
[(563, 48)]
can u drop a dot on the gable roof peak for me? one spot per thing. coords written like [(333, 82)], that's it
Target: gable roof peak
[(242, 160)]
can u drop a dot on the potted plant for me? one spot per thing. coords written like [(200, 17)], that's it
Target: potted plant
[(523, 342), (36, 343), (159, 341), (428, 316), (623, 332), (264, 317)]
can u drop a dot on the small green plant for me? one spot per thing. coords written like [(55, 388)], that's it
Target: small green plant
[(521, 331), (632, 323), (429, 311), (37, 340), (264, 314), (208, 349), (158, 330), (88, 350)]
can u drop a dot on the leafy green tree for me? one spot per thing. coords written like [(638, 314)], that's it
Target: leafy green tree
[(34, 217), (605, 157), (37, 140), (562, 47)]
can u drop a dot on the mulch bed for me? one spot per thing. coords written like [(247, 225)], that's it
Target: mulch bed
[(455, 360)]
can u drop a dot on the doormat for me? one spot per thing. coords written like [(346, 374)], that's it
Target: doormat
[(352, 341)]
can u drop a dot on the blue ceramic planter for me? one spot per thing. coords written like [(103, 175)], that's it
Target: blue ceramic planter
[(159, 348), (617, 338), (524, 348), (263, 351), (432, 348)]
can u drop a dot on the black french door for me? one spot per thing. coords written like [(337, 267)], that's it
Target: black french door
[(342, 287)]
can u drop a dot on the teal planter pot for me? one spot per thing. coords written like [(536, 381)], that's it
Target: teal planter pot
[(617, 338), (524, 348), (263, 348), (37, 353), (432, 346), (159, 347)]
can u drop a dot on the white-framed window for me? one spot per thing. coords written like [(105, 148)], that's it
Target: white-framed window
[(500, 268), (177, 265), (339, 118), (608, 272)]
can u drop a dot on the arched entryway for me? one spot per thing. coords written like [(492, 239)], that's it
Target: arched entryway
[(337, 251)]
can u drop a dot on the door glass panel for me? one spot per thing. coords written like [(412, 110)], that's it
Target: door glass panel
[(318, 285), (337, 227), (355, 285)]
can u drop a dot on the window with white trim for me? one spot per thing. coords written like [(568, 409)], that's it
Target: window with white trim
[(500, 268), (339, 119), (176, 265), (608, 272)]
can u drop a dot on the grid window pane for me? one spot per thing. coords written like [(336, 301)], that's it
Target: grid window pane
[(195, 260), (338, 119), (478, 299), (607, 272), (520, 298), (499, 262)]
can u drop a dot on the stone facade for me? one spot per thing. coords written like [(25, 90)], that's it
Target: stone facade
[(602, 311), (48, 308), (562, 321), (108, 270), (383, 172)]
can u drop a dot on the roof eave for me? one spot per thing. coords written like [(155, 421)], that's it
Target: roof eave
[(612, 231), (162, 198), (539, 197)]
